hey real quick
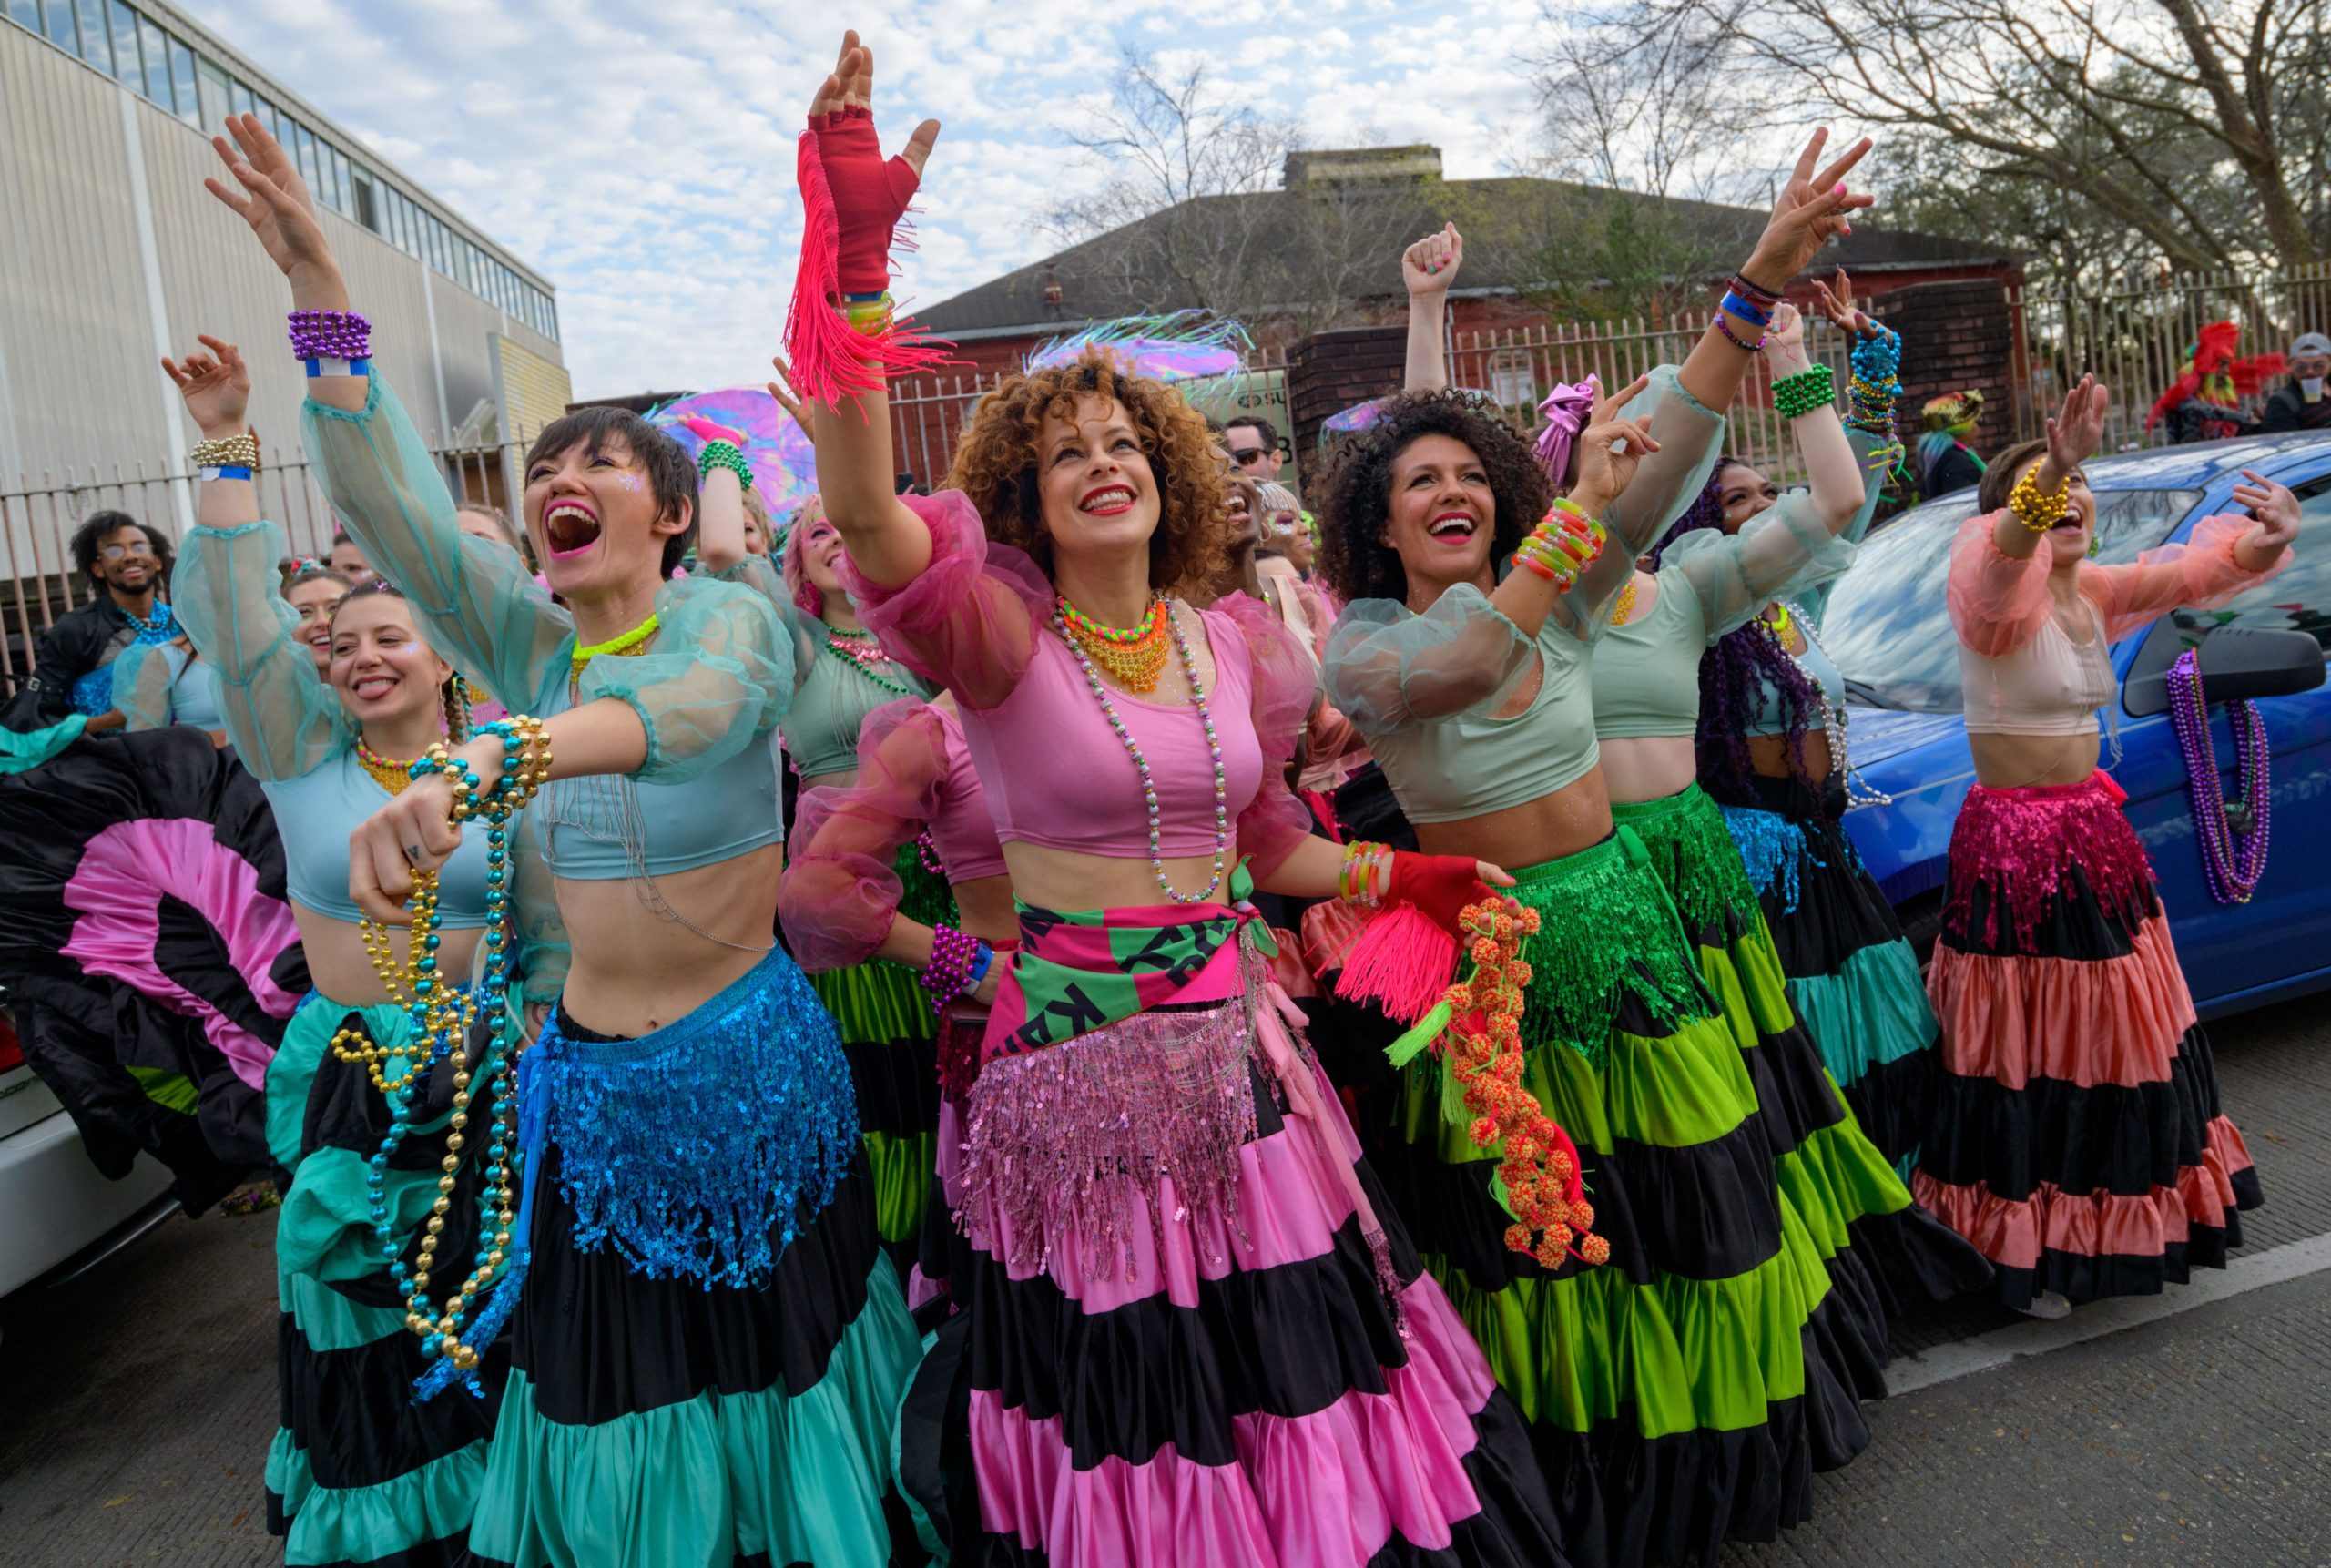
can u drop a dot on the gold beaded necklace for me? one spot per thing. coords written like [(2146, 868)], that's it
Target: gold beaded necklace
[(387, 773), (1626, 605), (1133, 656)]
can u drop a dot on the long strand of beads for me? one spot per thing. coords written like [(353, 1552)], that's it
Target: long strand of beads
[(1777, 624), (2234, 860), (1141, 763), (160, 629)]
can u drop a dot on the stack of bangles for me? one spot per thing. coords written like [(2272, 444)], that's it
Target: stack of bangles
[(867, 314), (958, 965), (332, 342), (1561, 545), (525, 768), (723, 454), (1366, 878), (1875, 388), (1752, 303), (2035, 511), (1796, 395), (227, 457)]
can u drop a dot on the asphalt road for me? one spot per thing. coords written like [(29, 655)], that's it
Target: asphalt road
[(2188, 1430)]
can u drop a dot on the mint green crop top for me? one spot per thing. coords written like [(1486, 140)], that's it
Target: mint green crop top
[(821, 727)]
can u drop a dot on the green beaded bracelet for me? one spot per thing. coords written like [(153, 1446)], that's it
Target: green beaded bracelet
[(723, 454), (1796, 396)]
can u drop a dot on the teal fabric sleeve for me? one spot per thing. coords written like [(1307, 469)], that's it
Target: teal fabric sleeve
[(284, 721), (1690, 436), (143, 675), (719, 672)]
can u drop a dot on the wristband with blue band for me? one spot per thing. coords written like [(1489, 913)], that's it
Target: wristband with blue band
[(326, 367)]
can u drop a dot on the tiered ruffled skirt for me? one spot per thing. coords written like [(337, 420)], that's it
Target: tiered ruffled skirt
[(2079, 1142)]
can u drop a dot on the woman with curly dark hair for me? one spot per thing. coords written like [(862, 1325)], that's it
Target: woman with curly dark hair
[(1704, 605), (1185, 1336), (1684, 1391)]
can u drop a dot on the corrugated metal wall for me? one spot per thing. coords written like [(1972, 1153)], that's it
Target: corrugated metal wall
[(81, 392)]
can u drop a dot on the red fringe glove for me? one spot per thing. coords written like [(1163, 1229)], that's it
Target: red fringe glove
[(1406, 956), (852, 202)]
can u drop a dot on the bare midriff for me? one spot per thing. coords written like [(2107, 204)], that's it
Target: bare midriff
[(1071, 879), (2014, 761), (1769, 755), (1647, 767), (983, 909), (1573, 818), (340, 970), (635, 970)]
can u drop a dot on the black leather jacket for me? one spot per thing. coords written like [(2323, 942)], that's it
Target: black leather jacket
[(81, 640)]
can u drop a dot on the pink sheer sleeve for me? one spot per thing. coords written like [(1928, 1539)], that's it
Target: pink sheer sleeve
[(1997, 602), (840, 891), (1285, 682), (2201, 574), (970, 619)]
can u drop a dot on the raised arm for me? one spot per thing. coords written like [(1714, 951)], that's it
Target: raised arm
[(1428, 267), (840, 334), (283, 720), (2224, 556), (2073, 436)]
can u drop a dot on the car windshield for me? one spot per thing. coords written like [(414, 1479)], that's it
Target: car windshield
[(1888, 628)]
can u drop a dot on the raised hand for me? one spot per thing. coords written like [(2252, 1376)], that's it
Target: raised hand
[(869, 195), (274, 201), (1837, 300), (2077, 428), (1785, 339), (1813, 209), (2274, 506), (708, 431), (1611, 448), (217, 386), (803, 411), (1429, 266)]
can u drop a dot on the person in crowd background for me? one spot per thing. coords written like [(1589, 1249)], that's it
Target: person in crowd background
[(2299, 403), (346, 557), (1946, 460), (128, 565)]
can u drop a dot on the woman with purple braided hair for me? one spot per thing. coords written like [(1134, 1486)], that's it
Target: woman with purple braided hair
[(1680, 660), (1771, 741)]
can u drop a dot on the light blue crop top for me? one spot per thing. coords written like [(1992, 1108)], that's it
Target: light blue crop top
[(323, 807), (288, 727), (711, 687)]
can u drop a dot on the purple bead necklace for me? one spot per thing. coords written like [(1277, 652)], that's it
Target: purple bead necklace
[(2233, 860)]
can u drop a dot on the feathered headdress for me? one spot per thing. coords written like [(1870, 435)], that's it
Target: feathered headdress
[(2214, 376), (1182, 345)]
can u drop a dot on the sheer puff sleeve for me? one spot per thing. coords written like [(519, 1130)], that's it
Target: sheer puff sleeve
[(1690, 435), (718, 673), (1778, 553), (841, 890), (284, 721), (143, 676), (1285, 683), (1997, 603), (970, 619), (2201, 574), (1388, 668)]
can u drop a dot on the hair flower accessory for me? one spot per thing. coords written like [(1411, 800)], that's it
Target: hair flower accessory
[(1566, 410)]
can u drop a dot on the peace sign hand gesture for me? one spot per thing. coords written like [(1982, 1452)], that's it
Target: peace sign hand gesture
[(217, 387), (1836, 299), (1812, 209), (275, 202), (1611, 449)]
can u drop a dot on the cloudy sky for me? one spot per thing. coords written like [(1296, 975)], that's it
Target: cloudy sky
[(641, 156)]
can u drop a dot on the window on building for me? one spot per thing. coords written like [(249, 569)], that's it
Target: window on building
[(124, 23), (343, 179), (441, 253), (61, 25), (26, 14), (303, 153), (96, 39), (211, 88), (268, 115), (157, 56), (182, 87), (405, 222), (327, 167), (241, 100), (368, 198)]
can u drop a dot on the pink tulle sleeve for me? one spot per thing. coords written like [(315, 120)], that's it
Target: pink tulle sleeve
[(1997, 602), (2201, 574), (1285, 680), (970, 619), (840, 891)]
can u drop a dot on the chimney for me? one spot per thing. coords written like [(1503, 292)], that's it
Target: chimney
[(1362, 167)]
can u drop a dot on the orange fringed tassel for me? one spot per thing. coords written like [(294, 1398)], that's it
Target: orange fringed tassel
[(1539, 1169)]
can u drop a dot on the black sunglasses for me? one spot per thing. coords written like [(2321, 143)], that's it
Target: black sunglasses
[(1242, 455)]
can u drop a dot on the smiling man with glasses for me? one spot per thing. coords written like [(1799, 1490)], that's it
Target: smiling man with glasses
[(2300, 405), (129, 565), (1253, 447)]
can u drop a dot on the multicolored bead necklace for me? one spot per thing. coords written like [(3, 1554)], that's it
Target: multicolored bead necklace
[(863, 652), (1133, 656), (1141, 763), (387, 773), (1777, 622)]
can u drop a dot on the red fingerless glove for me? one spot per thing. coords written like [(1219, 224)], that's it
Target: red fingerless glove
[(1438, 887), (870, 196)]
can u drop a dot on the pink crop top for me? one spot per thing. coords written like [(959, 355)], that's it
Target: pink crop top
[(961, 825), (2022, 673), (977, 620)]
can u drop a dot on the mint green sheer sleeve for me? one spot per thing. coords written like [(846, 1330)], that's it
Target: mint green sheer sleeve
[(1388, 668), (1782, 551), (718, 673), (143, 676), (283, 719), (1690, 436), (476, 601), (1814, 598), (804, 631)]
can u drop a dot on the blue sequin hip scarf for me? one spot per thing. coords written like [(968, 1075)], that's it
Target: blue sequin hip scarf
[(700, 1150)]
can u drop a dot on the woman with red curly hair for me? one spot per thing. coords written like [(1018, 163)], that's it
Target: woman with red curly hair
[(1186, 1337), (1684, 1391)]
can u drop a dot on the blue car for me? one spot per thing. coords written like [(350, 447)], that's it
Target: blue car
[(1890, 631)]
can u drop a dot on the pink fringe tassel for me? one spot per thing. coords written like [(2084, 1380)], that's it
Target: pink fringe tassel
[(1401, 961), (831, 359)]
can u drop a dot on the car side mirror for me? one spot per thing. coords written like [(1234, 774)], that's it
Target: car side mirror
[(2238, 664)]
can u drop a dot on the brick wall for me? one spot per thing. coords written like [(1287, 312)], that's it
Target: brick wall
[(1956, 336), (1328, 372)]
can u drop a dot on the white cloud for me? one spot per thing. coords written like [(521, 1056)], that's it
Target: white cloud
[(642, 157)]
